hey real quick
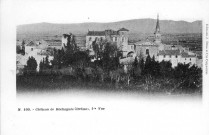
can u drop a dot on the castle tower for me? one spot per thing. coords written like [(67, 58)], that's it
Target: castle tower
[(157, 31), (123, 40)]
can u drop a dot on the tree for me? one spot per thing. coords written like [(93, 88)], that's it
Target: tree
[(96, 49), (61, 54), (181, 71), (23, 42), (151, 67), (23, 47), (31, 66), (142, 65), (57, 60), (41, 66), (188, 77), (110, 57), (136, 68), (195, 77), (82, 59), (155, 67), (135, 64), (44, 64), (148, 65), (166, 68), (18, 49), (71, 48), (47, 63)]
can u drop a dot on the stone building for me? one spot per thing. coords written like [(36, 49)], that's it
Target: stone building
[(145, 48), (119, 37), (36, 48)]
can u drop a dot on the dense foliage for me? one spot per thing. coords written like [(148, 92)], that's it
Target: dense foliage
[(31, 66), (20, 49)]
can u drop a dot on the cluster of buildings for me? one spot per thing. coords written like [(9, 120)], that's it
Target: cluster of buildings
[(37, 49), (161, 52)]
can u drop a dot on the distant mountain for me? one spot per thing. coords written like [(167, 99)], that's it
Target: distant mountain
[(135, 26)]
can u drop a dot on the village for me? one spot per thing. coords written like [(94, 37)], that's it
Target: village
[(110, 55)]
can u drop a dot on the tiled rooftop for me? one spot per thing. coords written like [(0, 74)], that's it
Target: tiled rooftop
[(105, 32), (186, 55), (146, 42), (169, 52), (96, 33), (175, 52), (123, 29), (32, 43)]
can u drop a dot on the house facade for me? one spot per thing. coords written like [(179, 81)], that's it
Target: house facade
[(145, 48), (36, 49), (176, 56)]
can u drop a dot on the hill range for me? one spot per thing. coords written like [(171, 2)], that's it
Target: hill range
[(134, 26)]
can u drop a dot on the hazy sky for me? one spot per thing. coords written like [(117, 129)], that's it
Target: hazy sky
[(78, 11)]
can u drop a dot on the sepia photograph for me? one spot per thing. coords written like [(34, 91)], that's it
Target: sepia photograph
[(140, 55)]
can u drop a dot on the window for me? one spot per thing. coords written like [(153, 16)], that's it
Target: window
[(185, 58), (190, 59), (170, 56), (164, 56), (115, 39), (89, 38), (147, 51), (176, 56), (31, 49)]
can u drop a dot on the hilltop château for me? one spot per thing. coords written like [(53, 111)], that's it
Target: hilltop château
[(119, 37)]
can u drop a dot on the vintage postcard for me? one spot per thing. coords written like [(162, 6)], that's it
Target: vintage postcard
[(104, 67)]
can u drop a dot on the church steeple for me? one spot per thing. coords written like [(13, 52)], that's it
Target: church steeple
[(157, 31)]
